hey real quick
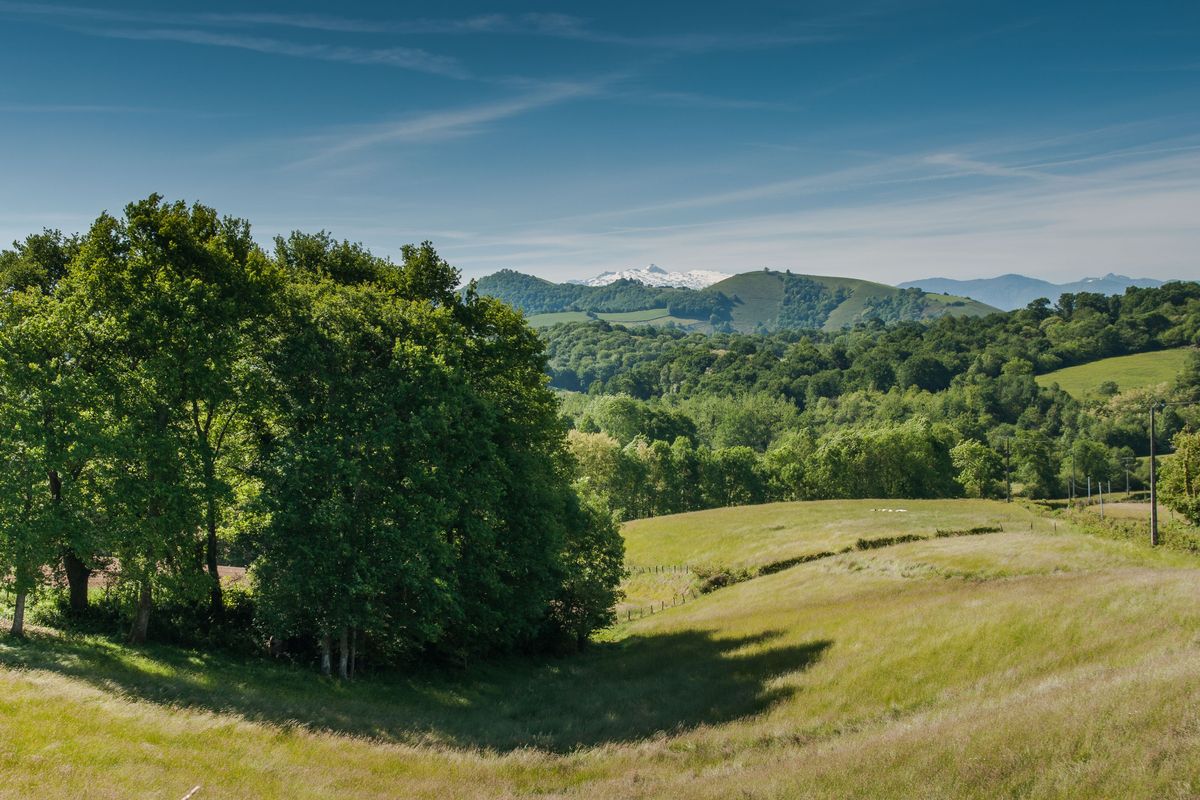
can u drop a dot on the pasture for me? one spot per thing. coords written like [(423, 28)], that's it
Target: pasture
[(1029, 663), (1137, 371)]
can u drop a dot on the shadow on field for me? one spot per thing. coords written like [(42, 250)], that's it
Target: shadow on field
[(614, 692)]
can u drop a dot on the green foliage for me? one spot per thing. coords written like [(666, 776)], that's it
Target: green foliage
[(1179, 485), (537, 296), (380, 447), (980, 468)]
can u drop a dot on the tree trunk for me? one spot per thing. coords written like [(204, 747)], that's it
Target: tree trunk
[(78, 574), (344, 655), (18, 623), (141, 620), (353, 651), (216, 603), (326, 659)]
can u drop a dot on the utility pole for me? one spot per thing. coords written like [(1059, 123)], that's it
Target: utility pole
[(1089, 500), (1153, 483)]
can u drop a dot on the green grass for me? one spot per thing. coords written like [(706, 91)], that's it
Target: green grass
[(1017, 664), (1128, 372), (755, 536)]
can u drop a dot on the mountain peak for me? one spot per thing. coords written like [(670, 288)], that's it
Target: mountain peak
[(654, 275)]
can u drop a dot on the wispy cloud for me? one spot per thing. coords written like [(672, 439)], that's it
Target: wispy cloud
[(401, 57), (442, 124)]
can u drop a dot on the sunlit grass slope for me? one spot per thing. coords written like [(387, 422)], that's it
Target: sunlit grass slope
[(1137, 371), (1015, 664), (755, 536)]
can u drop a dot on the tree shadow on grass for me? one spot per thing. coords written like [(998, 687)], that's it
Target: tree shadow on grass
[(614, 692)]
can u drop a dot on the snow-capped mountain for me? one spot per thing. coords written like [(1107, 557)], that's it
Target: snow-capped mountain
[(655, 275)]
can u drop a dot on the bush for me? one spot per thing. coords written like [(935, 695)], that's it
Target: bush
[(887, 541), (969, 531), (716, 576)]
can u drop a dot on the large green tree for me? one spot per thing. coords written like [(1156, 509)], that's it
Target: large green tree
[(1179, 482), (177, 298)]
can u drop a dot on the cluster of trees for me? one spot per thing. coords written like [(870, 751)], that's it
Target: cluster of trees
[(806, 303), (534, 295), (382, 447), (912, 459)]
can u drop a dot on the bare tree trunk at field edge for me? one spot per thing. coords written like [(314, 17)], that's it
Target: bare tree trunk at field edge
[(78, 574), (141, 620), (18, 623), (326, 659), (344, 655)]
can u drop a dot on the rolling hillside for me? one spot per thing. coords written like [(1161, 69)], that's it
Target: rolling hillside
[(1037, 662), (759, 298), (1127, 372), (747, 302)]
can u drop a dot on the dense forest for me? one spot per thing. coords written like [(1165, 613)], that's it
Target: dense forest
[(667, 421), (380, 449)]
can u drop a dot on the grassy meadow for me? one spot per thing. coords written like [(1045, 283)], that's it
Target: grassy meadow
[(1030, 663), (1137, 371), (756, 536)]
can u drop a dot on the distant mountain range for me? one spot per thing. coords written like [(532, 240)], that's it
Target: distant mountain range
[(1017, 291), (655, 275), (765, 300)]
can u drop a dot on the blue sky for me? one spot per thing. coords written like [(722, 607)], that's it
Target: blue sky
[(883, 140)]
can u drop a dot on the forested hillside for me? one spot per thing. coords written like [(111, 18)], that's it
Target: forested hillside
[(671, 421)]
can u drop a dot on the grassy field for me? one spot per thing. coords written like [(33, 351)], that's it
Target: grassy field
[(1128, 372), (1035, 663), (755, 536)]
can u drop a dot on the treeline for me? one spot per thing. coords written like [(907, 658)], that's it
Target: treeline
[(380, 447), (652, 477), (533, 295)]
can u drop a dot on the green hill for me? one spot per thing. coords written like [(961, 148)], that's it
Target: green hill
[(1037, 662), (1137, 371), (761, 298), (747, 302)]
